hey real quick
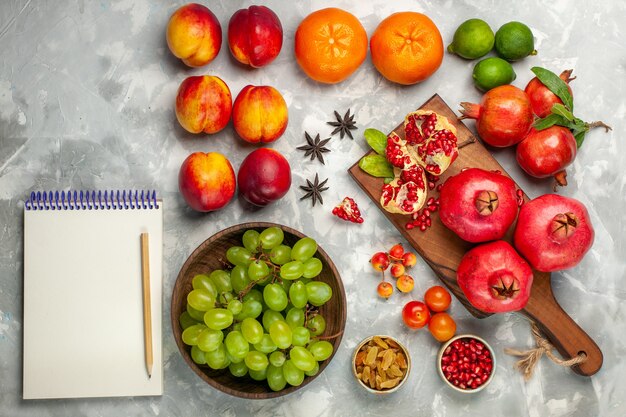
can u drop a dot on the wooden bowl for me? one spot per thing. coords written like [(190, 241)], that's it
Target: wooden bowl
[(211, 255)]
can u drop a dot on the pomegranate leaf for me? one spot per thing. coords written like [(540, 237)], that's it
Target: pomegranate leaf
[(561, 110), (376, 166), (549, 121), (580, 137), (376, 139), (556, 85)]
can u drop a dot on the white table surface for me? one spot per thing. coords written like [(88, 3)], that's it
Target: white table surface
[(86, 101)]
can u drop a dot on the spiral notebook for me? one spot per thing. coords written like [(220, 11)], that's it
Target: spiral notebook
[(83, 298)]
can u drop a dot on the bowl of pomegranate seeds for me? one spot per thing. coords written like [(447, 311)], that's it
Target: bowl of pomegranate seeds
[(466, 363)]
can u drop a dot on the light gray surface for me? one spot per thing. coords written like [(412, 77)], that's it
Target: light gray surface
[(86, 101)]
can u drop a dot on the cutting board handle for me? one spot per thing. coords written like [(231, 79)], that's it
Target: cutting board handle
[(562, 332)]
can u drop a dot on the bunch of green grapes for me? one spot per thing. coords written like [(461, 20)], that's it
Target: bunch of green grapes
[(261, 318)]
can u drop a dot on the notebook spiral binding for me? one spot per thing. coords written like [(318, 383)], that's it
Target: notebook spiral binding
[(92, 200)]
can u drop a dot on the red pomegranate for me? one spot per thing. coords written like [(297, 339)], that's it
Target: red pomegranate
[(494, 278), (553, 232), (546, 153), (431, 140), (541, 98), (478, 205), (503, 117), (406, 194)]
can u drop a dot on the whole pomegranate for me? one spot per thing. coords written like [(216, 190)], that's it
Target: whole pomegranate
[(478, 205), (541, 98), (553, 232), (545, 153), (503, 117), (494, 278)]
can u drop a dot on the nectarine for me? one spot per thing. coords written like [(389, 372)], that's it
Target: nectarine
[(260, 114), (203, 104), (194, 35), (264, 176), (255, 36), (206, 181)]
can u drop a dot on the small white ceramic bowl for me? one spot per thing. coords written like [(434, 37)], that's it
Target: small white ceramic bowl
[(370, 389), (450, 384)]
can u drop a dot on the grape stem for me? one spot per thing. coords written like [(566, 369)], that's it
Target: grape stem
[(332, 336), (246, 290)]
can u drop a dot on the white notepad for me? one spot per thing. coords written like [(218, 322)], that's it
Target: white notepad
[(83, 305)]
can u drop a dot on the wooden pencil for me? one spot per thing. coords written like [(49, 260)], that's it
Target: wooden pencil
[(147, 311)]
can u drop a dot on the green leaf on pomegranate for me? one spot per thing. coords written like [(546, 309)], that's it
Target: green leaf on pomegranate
[(561, 110), (376, 166), (556, 85), (549, 121), (580, 137), (376, 139)]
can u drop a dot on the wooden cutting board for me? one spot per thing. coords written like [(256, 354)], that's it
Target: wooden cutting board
[(442, 250)]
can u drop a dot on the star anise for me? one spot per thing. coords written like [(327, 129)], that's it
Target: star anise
[(314, 147), (314, 190), (343, 125)]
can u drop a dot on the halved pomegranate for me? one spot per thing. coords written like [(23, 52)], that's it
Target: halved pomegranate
[(431, 140), (406, 194)]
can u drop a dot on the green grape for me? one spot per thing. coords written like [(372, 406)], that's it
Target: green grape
[(186, 320), (226, 297), (239, 278), (204, 282), (321, 350), (238, 255), (252, 330), (218, 318), (318, 292), (277, 358), (201, 300), (275, 378), (258, 375), (195, 314), (297, 294), (258, 270), (286, 284), (280, 255), (210, 339), (251, 241), (254, 294), (197, 355), (191, 333), (281, 334), (235, 306), (236, 326), (304, 249), (293, 375), (275, 297), (238, 369), (302, 358), (295, 317), (232, 359), (316, 325), (291, 270), (301, 336), (269, 317), (217, 359), (236, 345), (313, 371), (312, 268), (256, 361), (221, 279), (251, 308), (271, 237), (266, 345)]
